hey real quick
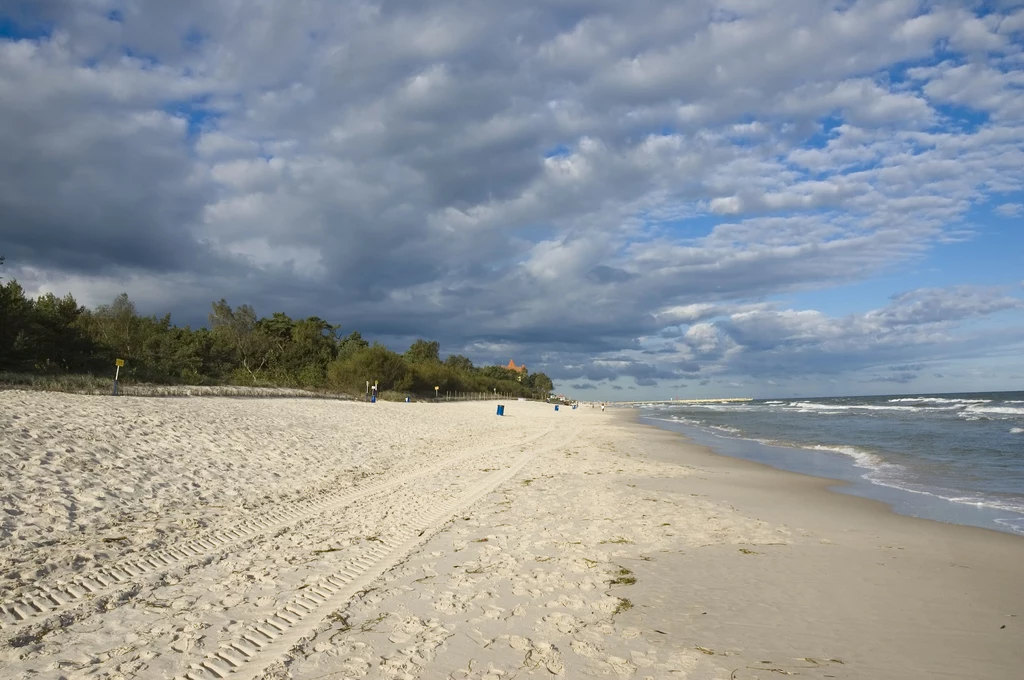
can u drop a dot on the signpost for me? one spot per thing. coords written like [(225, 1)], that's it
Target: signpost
[(117, 373), (437, 391)]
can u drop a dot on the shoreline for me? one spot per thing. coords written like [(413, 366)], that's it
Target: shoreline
[(928, 598), (300, 540), (847, 476), (828, 487)]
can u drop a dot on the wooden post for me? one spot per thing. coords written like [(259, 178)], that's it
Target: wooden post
[(117, 373)]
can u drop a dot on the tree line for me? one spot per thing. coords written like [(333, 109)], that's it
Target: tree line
[(55, 335)]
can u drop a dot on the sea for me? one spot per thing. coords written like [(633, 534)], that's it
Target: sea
[(955, 458)]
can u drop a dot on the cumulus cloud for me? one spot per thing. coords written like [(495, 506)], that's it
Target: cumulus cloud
[(538, 179), (924, 323)]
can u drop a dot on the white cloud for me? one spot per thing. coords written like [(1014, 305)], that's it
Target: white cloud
[(561, 179)]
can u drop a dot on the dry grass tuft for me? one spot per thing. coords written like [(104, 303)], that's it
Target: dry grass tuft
[(93, 385)]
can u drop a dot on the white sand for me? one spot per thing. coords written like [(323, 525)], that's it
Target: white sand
[(244, 538)]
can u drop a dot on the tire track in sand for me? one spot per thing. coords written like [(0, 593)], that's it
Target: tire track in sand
[(246, 655), (56, 603)]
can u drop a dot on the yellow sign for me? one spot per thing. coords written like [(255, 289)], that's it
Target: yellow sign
[(437, 387), (119, 362)]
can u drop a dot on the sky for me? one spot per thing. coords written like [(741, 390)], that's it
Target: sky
[(644, 199)]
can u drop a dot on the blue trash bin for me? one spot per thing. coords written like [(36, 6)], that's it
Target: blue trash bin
[(373, 399), (501, 409), (556, 407)]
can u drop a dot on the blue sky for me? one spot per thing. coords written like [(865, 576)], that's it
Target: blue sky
[(640, 199)]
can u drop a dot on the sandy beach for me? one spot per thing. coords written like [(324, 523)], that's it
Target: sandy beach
[(298, 538)]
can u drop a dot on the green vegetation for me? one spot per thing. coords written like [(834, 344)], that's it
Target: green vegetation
[(623, 577), (53, 343)]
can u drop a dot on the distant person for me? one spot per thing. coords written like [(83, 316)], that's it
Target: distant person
[(602, 407)]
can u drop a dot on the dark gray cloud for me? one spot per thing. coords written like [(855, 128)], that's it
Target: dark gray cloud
[(540, 180), (907, 368), (898, 378)]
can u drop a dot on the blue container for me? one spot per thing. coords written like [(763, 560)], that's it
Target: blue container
[(501, 409), (373, 399), (556, 407)]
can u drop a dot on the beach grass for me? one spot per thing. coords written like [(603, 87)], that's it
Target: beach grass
[(95, 385)]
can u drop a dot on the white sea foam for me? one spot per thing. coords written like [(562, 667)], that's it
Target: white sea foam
[(937, 400), (814, 406), (723, 407), (993, 411), (720, 430), (727, 429), (862, 458), (894, 476), (880, 472), (775, 402), (896, 481), (982, 502), (1015, 524)]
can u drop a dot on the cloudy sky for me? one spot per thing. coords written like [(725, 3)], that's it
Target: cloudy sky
[(642, 199)]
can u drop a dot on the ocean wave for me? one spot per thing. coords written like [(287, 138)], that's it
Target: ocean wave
[(1014, 524), (775, 402), (937, 400), (982, 502), (717, 429), (814, 406), (723, 406), (862, 458), (896, 481), (726, 429), (994, 410), (877, 470)]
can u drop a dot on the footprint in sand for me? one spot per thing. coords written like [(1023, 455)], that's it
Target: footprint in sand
[(547, 656), (539, 654), (587, 650), (621, 666), (564, 623)]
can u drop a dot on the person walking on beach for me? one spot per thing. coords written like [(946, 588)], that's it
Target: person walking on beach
[(602, 407)]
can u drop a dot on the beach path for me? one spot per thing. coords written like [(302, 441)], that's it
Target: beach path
[(205, 538)]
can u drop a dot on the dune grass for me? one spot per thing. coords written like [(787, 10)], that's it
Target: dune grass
[(91, 384)]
